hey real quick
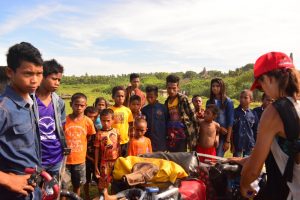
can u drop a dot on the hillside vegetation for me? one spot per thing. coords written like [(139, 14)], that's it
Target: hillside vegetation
[(191, 82)]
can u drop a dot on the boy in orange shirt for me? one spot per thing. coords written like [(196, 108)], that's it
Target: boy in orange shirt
[(77, 128), (139, 144)]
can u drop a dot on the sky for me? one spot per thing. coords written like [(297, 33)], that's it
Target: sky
[(106, 37)]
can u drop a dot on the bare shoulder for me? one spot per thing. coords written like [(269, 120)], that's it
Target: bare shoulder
[(217, 125)]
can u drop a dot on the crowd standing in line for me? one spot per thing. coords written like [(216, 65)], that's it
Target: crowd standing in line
[(35, 131)]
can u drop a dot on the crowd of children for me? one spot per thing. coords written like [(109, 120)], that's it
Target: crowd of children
[(178, 125), (97, 135)]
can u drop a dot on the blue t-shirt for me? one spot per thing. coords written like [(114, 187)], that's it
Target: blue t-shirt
[(50, 142), (156, 116)]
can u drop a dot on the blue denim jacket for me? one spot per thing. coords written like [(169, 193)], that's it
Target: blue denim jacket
[(225, 116), (244, 129), (19, 134)]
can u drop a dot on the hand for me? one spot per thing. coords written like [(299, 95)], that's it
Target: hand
[(223, 130), (248, 192), (19, 184), (237, 160), (226, 146), (97, 173)]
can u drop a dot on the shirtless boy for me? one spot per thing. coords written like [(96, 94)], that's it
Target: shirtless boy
[(208, 134)]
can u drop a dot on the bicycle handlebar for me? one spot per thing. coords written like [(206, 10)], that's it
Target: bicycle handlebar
[(50, 182)]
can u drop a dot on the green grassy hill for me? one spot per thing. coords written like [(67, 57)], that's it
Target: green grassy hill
[(191, 83)]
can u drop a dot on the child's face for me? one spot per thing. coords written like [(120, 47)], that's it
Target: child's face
[(135, 106), (140, 129), (78, 106), (215, 88), (107, 121), (135, 83), (119, 97), (208, 115), (26, 78), (51, 82), (245, 100), (101, 105), (92, 116), (197, 102), (151, 97), (172, 89)]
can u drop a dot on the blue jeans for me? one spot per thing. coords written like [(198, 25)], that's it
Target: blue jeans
[(35, 195), (53, 170)]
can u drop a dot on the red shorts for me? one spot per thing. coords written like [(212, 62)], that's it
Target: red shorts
[(209, 151)]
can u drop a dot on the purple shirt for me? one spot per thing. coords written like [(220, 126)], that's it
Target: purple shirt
[(50, 143)]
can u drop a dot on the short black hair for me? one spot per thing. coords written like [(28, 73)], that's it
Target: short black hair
[(172, 79), (152, 88), (106, 112), (77, 96), (139, 120), (213, 108), (135, 98), (23, 51), (90, 109), (98, 99), (52, 67), (133, 76), (3, 77), (116, 89), (196, 96)]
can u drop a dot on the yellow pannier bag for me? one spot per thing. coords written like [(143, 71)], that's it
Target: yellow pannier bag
[(168, 170)]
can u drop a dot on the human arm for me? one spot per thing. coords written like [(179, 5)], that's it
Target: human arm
[(97, 144), (216, 143), (16, 183), (270, 125), (88, 157), (97, 172), (229, 122), (149, 146)]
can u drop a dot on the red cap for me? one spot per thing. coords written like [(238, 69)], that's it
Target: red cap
[(269, 62)]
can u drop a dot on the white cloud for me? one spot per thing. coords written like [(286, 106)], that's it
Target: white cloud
[(25, 16)]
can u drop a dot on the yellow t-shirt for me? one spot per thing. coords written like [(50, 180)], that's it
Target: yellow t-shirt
[(173, 110), (76, 137), (122, 118)]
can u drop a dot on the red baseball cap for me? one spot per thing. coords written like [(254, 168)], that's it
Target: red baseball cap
[(269, 62)]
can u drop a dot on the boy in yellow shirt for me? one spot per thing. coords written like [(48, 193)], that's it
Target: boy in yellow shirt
[(123, 119)]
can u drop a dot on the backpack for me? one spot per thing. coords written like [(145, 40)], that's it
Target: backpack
[(276, 187)]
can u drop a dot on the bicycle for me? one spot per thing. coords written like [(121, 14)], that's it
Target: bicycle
[(49, 185)]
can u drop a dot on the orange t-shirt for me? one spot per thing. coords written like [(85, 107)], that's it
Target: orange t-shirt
[(109, 144), (76, 137), (139, 146)]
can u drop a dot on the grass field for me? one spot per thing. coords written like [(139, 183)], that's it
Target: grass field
[(92, 91)]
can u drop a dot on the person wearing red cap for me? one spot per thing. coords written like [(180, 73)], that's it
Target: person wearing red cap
[(278, 142)]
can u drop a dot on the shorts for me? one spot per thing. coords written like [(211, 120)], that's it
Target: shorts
[(77, 173), (209, 151)]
